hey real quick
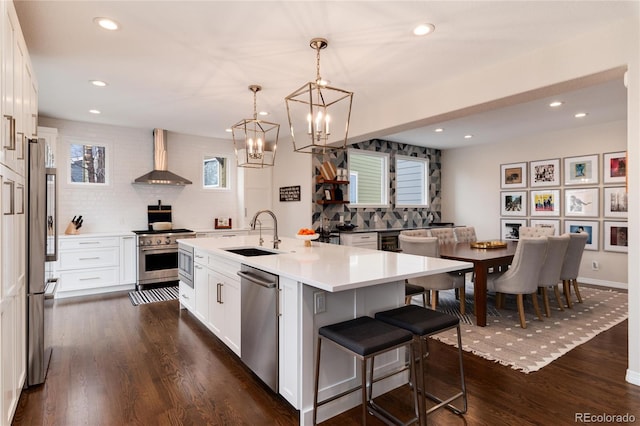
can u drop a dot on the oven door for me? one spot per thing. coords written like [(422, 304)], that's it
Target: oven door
[(157, 264)]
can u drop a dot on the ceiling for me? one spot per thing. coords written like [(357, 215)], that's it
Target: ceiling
[(186, 66)]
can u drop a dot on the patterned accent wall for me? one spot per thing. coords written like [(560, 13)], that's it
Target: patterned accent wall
[(391, 217)]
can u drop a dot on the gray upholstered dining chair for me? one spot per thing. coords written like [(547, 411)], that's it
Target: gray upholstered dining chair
[(551, 268), (421, 245), (571, 265), (444, 235), (465, 234), (537, 231), (523, 275)]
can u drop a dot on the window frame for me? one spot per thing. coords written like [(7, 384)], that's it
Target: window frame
[(210, 157), (425, 163), (385, 184)]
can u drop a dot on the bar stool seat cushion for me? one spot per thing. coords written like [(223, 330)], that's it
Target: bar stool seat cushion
[(365, 335), (412, 289), (419, 321)]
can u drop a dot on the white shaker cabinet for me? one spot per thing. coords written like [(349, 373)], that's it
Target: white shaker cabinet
[(361, 239)]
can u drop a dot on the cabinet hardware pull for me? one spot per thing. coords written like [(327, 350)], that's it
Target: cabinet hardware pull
[(12, 133), (89, 242), (21, 206), (22, 139), (89, 278), (89, 258), (12, 196)]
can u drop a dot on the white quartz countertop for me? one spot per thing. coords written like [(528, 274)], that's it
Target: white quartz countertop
[(97, 235), (328, 267)]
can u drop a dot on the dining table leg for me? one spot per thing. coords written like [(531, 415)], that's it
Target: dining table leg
[(480, 293)]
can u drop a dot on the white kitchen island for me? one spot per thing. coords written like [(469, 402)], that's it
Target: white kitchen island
[(348, 281)]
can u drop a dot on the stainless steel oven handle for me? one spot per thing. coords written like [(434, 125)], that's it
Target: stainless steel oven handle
[(163, 249), (256, 280)]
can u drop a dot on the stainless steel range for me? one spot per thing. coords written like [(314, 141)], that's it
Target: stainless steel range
[(158, 250), (158, 255)]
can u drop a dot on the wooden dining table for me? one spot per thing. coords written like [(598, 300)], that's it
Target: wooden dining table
[(482, 260)]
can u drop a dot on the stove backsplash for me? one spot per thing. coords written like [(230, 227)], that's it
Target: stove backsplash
[(386, 218)]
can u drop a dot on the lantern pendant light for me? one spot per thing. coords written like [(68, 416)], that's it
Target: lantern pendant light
[(318, 113), (255, 140)]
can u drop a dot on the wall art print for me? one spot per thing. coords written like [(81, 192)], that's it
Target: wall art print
[(545, 172), (590, 227), (581, 170), (547, 223), (510, 228), (615, 167), (615, 202), (582, 202), (545, 202), (513, 175), (615, 236), (513, 203)]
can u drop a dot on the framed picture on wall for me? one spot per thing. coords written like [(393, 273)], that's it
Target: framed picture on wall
[(615, 202), (615, 236), (615, 167), (545, 202), (590, 227), (582, 202), (545, 172), (510, 228), (547, 223), (581, 170), (513, 203), (513, 175)]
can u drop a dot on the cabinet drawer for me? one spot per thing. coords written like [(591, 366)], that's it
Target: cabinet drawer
[(226, 267), (95, 258), (187, 296), (81, 280), (366, 239), (88, 243)]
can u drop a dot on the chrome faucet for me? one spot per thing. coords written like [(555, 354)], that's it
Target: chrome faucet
[(276, 240)]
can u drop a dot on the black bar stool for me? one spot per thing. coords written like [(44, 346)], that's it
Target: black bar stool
[(365, 338), (423, 323)]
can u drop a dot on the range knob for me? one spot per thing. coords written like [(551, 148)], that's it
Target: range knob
[(159, 242), (167, 240)]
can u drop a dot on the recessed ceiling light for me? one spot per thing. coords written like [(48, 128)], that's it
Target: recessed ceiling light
[(581, 115), (468, 136), (263, 113), (98, 83), (228, 130), (555, 104), (106, 23), (439, 130), (424, 29), (94, 111)]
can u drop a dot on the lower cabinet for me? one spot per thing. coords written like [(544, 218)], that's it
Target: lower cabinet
[(217, 298), (187, 297), (362, 239), (95, 264), (289, 341)]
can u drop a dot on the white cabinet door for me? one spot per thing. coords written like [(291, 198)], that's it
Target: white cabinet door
[(289, 342), (201, 286), (232, 314), (128, 260), (216, 303)]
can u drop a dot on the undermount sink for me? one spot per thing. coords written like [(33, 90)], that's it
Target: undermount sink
[(251, 251)]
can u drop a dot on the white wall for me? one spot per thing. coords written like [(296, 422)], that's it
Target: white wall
[(121, 205), (471, 177)]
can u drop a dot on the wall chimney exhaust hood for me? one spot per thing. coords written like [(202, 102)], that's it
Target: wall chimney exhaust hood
[(160, 175)]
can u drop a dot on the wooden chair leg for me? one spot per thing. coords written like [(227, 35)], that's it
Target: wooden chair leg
[(575, 287), (424, 299), (462, 301), (407, 300), (523, 322), (556, 291), (545, 300), (434, 299), (536, 307), (567, 292)]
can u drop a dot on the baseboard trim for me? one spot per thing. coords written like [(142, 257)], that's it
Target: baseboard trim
[(612, 284), (633, 377)]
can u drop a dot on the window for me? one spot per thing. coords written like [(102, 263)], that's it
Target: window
[(368, 179), (412, 181), (87, 164), (215, 172)]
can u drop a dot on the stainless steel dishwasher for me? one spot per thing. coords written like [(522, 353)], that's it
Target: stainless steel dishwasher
[(259, 326)]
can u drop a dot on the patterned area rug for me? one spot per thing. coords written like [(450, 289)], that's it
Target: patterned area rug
[(161, 294), (542, 342)]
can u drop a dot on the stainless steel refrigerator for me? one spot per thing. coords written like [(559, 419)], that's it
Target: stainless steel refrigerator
[(41, 247)]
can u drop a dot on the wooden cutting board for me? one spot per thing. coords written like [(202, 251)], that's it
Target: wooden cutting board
[(328, 170)]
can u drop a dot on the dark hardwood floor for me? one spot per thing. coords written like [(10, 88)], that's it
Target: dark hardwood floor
[(116, 364)]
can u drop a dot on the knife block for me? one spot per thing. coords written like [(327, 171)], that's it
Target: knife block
[(71, 229)]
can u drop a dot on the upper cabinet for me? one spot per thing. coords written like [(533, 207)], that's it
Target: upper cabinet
[(19, 93)]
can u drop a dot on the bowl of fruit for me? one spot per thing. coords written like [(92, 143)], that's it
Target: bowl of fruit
[(307, 235)]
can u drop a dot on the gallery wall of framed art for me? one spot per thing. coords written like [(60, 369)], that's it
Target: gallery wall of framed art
[(570, 194)]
